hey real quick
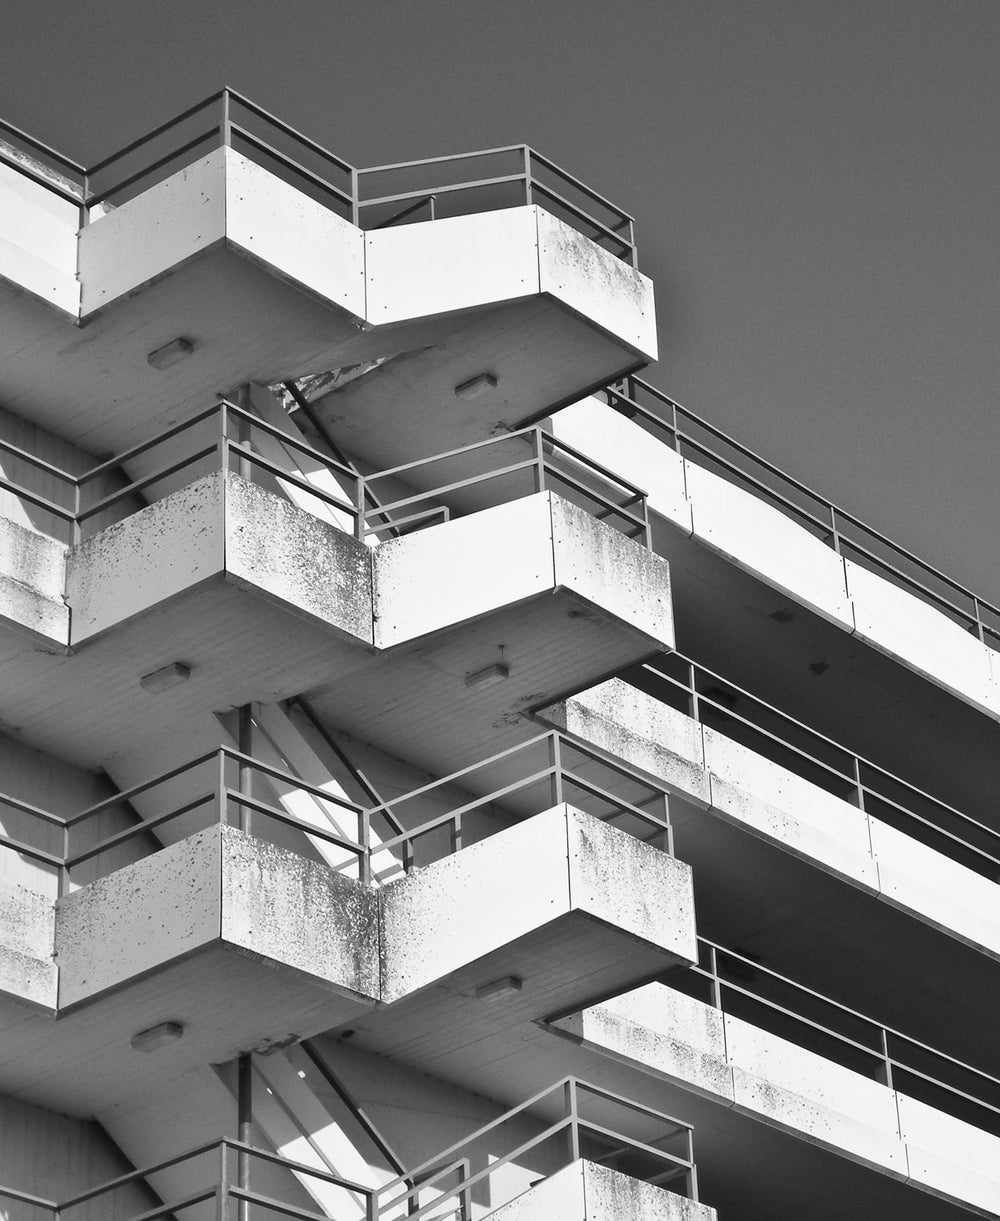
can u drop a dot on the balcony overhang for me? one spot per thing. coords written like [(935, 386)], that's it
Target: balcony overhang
[(267, 284), (586, 1191)]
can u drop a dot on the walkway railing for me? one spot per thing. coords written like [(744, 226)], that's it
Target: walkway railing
[(587, 1122), (372, 198), (227, 787), (222, 1171), (485, 180), (528, 460), (739, 986), (731, 710), (692, 436)]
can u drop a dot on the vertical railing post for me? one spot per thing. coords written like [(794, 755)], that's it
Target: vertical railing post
[(834, 531), (355, 200), (361, 500), (536, 444), (244, 1119), (977, 611), (693, 707), (858, 796), (223, 801), (226, 126), (222, 1193), (365, 864), (693, 1172), (669, 834), (223, 447), (526, 161), (883, 1071), (634, 253), (674, 425), (245, 747), (572, 1112), (713, 966), (243, 432), (555, 763), (63, 887), (76, 526), (456, 834)]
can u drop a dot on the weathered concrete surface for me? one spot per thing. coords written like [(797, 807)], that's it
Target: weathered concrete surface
[(641, 731), (221, 887), (294, 558), (463, 907), (596, 283), (455, 572), (585, 1191), (615, 574), (950, 1158), (163, 550), (298, 913), (708, 769), (668, 1033), (140, 917), (27, 941), (32, 582)]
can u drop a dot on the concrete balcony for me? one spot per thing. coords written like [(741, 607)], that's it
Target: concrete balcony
[(865, 1104), (260, 264), (794, 598)]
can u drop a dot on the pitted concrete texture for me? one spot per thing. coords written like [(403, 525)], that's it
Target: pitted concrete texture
[(293, 558), (139, 917), (597, 283), (299, 913), (585, 1191), (162, 550), (32, 581), (670, 1034), (27, 942), (668, 748), (453, 912), (613, 573)]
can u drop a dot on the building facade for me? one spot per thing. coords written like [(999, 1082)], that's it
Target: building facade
[(441, 775)]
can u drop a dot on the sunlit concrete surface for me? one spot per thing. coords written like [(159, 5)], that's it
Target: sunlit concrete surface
[(734, 783), (39, 240)]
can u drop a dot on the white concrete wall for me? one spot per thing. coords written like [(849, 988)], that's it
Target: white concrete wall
[(733, 782), (459, 909), (457, 571), (739, 1065), (32, 583), (585, 1191), (38, 244), (771, 545)]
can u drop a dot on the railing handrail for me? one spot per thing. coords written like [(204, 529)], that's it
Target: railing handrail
[(711, 972), (861, 760), (838, 514)]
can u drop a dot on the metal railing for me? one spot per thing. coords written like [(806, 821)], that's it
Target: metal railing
[(220, 437), (743, 988), (590, 1123), (223, 787), (220, 1171), (691, 436), (485, 180), (721, 705), (373, 197), (536, 461), (226, 119)]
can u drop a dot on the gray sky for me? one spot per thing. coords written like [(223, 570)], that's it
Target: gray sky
[(815, 185)]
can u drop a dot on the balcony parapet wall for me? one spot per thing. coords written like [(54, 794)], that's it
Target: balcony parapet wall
[(770, 545), (661, 1032), (710, 771)]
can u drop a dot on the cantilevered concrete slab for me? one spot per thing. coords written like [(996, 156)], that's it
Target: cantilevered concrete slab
[(224, 255)]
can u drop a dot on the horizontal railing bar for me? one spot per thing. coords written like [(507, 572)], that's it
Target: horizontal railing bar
[(451, 453), (308, 828), (586, 1087), (29, 171), (267, 1155), (398, 522), (288, 130), (421, 202), (41, 147), (279, 773), (296, 443), (580, 214), (448, 157), (138, 485), (596, 1129), (611, 506), (623, 807), (36, 854), (24, 1197), (16, 452), (40, 502), (132, 1175), (272, 1205), (457, 486), (144, 786), (451, 189), (175, 1206), (585, 460), (127, 833), (589, 192), (290, 163), (94, 200), (287, 476), (137, 451), (157, 131)]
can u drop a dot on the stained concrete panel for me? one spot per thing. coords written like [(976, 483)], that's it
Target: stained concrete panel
[(298, 237), (27, 943), (32, 582), (297, 560), (902, 625), (164, 549), (451, 913), (640, 730), (433, 267), (613, 573), (38, 247), (596, 284), (299, 913), (631, 452), (585, 1191), (768, 543), (154, 232), (668, 1033)]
